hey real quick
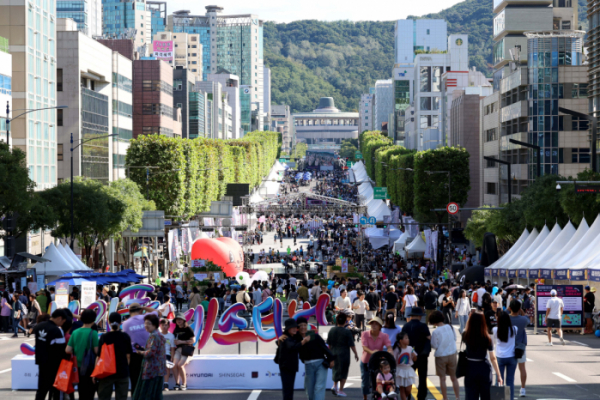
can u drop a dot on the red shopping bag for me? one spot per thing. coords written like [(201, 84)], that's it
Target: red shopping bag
[(74, 371), (106, 364), (63, 376)]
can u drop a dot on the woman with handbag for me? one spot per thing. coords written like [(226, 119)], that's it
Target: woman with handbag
[(409, 301), (150, 384), (443, 340), (463, 309), (34, 312), (184, 340), (17, 314), (504, 336), (473, 364)]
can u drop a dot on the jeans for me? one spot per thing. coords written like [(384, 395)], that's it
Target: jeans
[(510, 363), (16, 325), (462, 320), (315, 380), (407, 311), (365, 378)]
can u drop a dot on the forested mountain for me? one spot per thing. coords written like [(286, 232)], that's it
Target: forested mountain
[(310, 59)]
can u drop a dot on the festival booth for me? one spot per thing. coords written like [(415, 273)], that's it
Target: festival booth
[(400, 244), (416, 246), (378, 209), (59, 264), (359, 173), (377, 237)]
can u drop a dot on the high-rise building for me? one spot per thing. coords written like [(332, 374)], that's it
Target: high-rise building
[(5, 86), (198, 114), (217, 105), (283, 122), (593, 45), (182, 49), (384, 102), (86, 13), (122, 121), (183, 85), (230, 85), (267, 95), (365, 112), (412, 36), (139, 19), (233, 43), (158, 15)]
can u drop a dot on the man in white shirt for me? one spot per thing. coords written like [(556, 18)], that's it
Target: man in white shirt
[(293, 281), (554, 311), (480, 293), (335, 292), (343, 302), (352, 295)]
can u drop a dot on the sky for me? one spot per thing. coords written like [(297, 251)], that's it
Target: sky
[(325, 10)]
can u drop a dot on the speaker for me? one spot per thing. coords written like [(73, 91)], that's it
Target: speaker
[(9, 223), (10, 246)]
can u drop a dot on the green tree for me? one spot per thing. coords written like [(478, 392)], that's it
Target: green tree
[(405, 182), (576, 206), (541, 203), (431, 188), (348, 150)]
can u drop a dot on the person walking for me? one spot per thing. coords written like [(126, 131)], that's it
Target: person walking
[(478, 378), (389, 325), (49, 352), (343, 302), (360, 307), (196, 299), (34, 312), (374, 300), (430, 300), (17, 314), (184, 338), (6, 312), (589, 302), (83, 340), (520, 322), (443, 340), (554, 311), (504, 335), (317, 358), (372, 341), (409, 301), (150, 385), (341, 341), (447, 307), (122, 344), (288, 350), (420, 340), (463, 309)]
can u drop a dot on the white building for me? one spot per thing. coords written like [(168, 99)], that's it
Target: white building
[(230, 85), (122, 123), (267, 95), (219, 124), (384, 102), (412, 36), (282, 122), (365, 112), (187, 51)]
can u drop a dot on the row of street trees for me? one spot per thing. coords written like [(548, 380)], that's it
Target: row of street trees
[(417, 181)]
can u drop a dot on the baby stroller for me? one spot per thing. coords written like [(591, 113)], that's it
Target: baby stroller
[(374, 370)]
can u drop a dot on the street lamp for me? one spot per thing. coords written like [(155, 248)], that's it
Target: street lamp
[(594, 130), (534, 147), (73, 148), (27, 111)]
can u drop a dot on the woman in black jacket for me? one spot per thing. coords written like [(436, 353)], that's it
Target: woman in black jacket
[(289, 347), (317, 358)]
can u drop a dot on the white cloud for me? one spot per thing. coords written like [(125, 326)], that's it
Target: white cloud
[(325, 10)]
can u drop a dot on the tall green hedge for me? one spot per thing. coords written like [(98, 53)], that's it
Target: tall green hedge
[(188, 174)]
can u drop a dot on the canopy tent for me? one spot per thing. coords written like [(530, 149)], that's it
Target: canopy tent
[(366, 191), (76, 260), (377, 237), (71, 278), (395, 233), (535, 254), (378, 210), (401, 242), (573, 248), (530, 250), (515, 256), (279, 166), (559, 244), (256, 198), (359, 172), (512, 251), (57, 265), (416, 246), (269, 188), (68, 259)]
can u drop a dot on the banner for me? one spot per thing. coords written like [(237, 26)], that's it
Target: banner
[(174, 249), (185, 241), (572, 297), (427, 243), (434, 244), (88, 293), (163, 49), (61, 294), (40, 282)]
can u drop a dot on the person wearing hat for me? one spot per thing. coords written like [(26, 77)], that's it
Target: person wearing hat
[(184, 337), (372, 341), (287, 357), (589, 301), (134, 327), (554, 311), (122, 344), (420, 339)]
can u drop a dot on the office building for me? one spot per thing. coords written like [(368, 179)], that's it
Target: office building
[(413, 36), (593, 46), (283, 122), (179, 49), (5, 86), (230, 86), (198, 114), (512, 18), (153, 112), (125, 47), (86, 13), (219, 123), (183, 85), (267, 96), (403, 78), (366, 117), (384, 102), (158, 16), (527, 106), (326, 124), (138, 20)]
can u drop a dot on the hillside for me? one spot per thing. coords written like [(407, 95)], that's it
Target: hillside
[(310, 59)]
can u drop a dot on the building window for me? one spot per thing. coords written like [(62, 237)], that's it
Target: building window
[(490, 135), (59, 117), (428, 31), (59, 152), (490, 188), (425, 79), (59, 79)]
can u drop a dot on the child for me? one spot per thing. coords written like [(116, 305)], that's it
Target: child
[(385, 381), (169, 349), (405, 357), (350, 324)]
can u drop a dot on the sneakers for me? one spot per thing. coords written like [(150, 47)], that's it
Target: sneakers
[(392, 395), (183, 387), (341, 394), (177, 387), (166, 387), (383, 396), (522, 392), (334, 390), (549, 344), (562, 341)]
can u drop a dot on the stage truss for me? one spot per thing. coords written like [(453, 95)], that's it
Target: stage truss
[(295, 203)]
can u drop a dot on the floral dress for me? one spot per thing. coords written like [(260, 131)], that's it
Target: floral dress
[(154, 368)]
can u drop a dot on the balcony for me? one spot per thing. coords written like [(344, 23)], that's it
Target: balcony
[(499, 5), (515, 110)]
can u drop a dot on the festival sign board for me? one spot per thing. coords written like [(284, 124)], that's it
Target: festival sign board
[(61, 294), (572, 297), (88, 293)]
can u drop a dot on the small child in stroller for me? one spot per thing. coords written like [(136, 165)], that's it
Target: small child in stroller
[(385, 381)]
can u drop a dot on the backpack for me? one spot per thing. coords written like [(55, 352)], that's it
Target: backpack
[(89, 358), (475, 297)]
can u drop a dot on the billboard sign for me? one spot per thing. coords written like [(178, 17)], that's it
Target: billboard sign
[(163, 49)]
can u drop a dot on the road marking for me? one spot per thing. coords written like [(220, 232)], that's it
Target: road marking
[(566, 378), (529, 360), (579, 343), (254, 395), (433, 390), (5, 370)]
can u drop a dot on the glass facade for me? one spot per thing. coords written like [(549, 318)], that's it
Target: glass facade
[(402, 94), (75, 9), (94, 122), (545, 55), (204, 32), (245, 109), (197, 111), (122, 82)]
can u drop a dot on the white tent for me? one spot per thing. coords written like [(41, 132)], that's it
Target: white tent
[(558, 244), (366, 191), (587, 258), (57, 265), (416, 246), (401, 242), (543, 240), (278, 166), (573, 249), (512, 251), (269, 188), (255, 198), (532, 249), (360, 173), (378, 209), (517, 254), (78, 263), (68, 259)]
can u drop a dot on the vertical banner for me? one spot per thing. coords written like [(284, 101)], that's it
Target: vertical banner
[(427, 243), (345, 266), (40, 282), (434, 244), (88, 293), (174, 248), (387, 220), (61, 294), (185, 240)]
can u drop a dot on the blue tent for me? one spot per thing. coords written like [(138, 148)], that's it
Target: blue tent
[(71, 279)]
